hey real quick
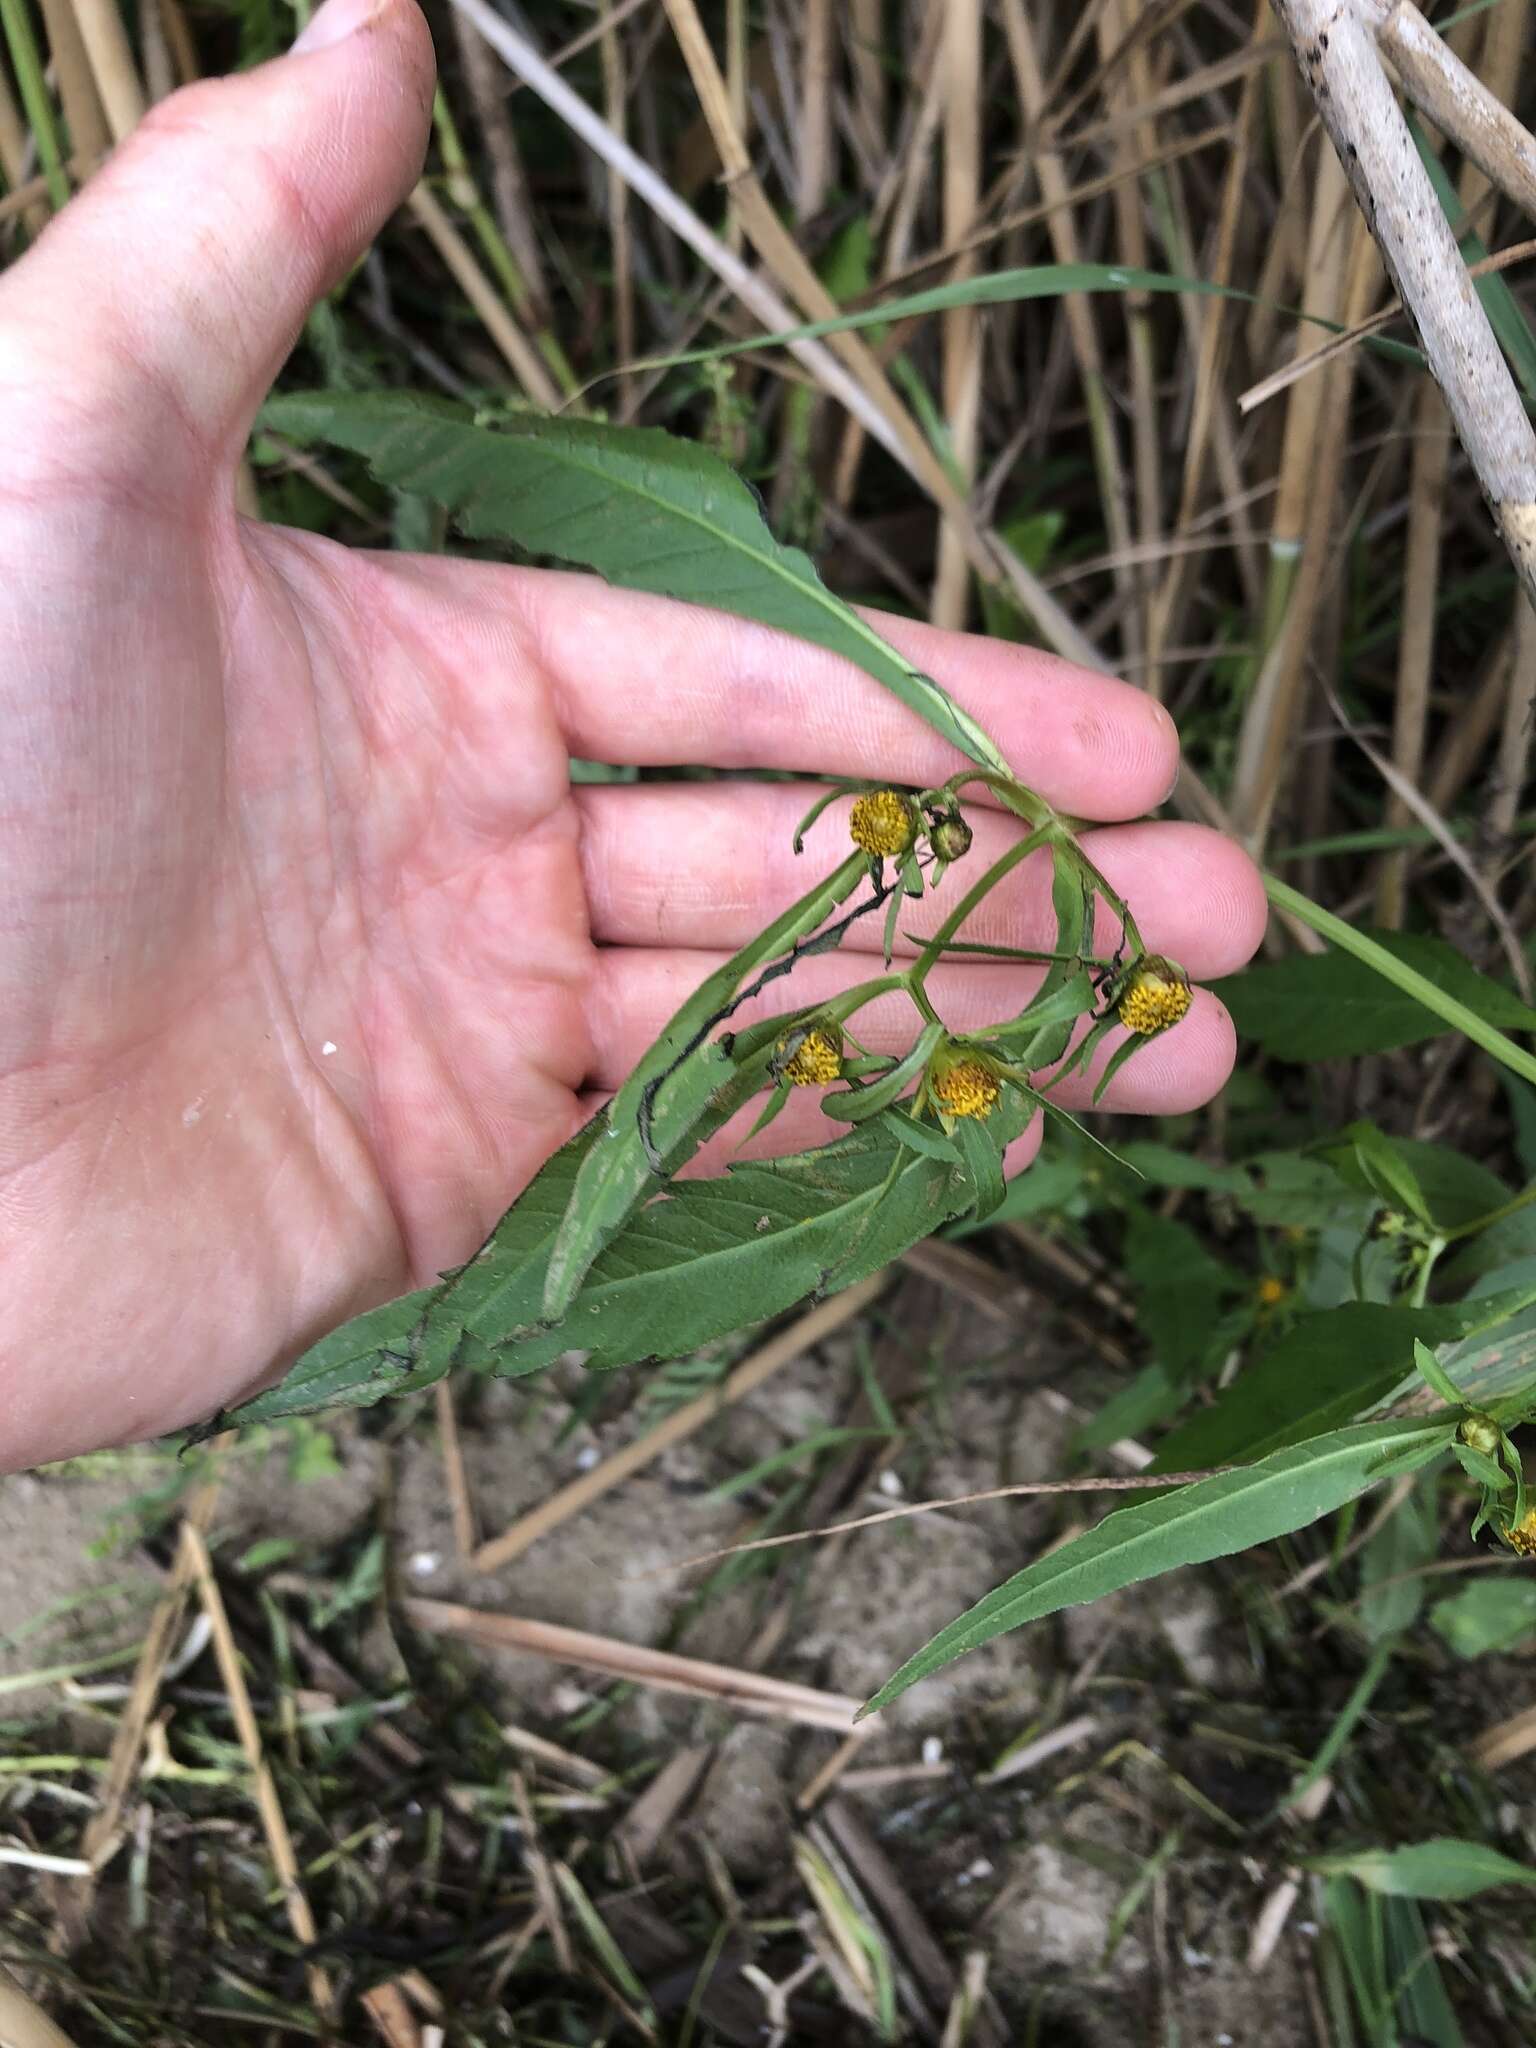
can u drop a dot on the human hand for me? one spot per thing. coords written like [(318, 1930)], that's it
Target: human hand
[(309, 952)]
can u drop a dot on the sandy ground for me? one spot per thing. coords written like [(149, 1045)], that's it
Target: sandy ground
[(1032, 1870)]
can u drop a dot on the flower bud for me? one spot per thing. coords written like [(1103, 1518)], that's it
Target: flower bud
[(811, 1055), (883, 821), (1153, 996), (1481, 1433), (951, 837)]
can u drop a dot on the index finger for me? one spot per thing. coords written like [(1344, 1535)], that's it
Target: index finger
[(649, 682)]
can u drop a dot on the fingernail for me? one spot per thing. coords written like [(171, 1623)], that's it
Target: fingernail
[(335, 21)]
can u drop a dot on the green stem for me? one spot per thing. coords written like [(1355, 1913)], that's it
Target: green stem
[(1509, 1208), (28, 67), (918, 973), (1390, 968)]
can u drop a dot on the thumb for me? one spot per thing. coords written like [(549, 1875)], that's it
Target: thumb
[(166, 296)]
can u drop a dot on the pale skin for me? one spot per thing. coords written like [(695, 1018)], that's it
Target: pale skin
[(309, 952)]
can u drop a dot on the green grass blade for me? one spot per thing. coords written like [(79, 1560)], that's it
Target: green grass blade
[(1455, 1013)]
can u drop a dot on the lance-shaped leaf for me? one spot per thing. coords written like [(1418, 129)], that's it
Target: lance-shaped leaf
[(351, 1367), (644, 509), (675, 1096), (1210, 1518), (708, 1256)]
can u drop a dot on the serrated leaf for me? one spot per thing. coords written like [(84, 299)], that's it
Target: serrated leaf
[(680, 1092), (709, 1256), (644, 509), (351, 1367), (1210, 1518), (1444, 1868)]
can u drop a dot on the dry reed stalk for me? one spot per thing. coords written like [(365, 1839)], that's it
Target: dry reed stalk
[(103, 1830), (177, 34), (155, 56), (518, 352), (1502, 47), (1469, 110), (456, 1478), (264, 1787), (541, 1872), (1513, 757), (790, 1343), (483, 80), (1477, 720), (23, 2024), (1214, 316), (1302, 535), (896, 203), (873, 402), (1077, 309), (635, 1663), (89, 139), (813, 132), (1416, 645), (1281, 268), (620, 240), (389, 2011), (111, 61), (1339, 60), (1136, 307), (28, 197), (960, 61), (1505, 1742), (865, 52), (795, 275)]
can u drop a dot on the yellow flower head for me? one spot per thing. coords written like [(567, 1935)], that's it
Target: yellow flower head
[(1271, 1291), (1155, 995), (810, 1058), (966, 1088), (1521, 1535), (883, 821)]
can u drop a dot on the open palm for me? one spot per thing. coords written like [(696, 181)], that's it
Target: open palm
[(310, 954)]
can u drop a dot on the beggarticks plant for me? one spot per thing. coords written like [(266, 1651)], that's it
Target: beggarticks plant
[(590, 1258)]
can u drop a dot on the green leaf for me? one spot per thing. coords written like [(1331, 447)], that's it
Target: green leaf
[(1210, 1518), (1461, 998), (644, 509), (709, 1256), (681, 1090), (1444, 1868), (1009, 287), (1333, 1006), (1492, 1614), (1324, 1370), (1165, 1167), (351, 1367), (1048, 1184), (1369, 1159), (1391, 1595), (980, 1150), (1180, 1289)]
